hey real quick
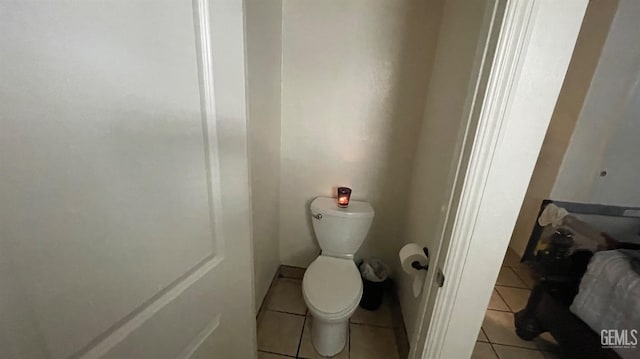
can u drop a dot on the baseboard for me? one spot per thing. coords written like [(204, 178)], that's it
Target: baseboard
[(266, 296)]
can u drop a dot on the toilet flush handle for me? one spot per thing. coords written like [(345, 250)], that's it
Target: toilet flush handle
[(317, 216)]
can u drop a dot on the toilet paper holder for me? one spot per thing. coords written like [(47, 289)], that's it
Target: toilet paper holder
[(416, 265)]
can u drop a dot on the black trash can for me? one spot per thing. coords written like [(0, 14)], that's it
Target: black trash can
[(374, 276)]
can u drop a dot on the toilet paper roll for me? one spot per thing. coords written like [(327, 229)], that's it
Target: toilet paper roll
[(418, 283), (408, 254)]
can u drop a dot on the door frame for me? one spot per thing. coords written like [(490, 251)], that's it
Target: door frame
[(533, 50)]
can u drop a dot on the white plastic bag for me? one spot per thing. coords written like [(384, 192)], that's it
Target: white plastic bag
[(374, 270)]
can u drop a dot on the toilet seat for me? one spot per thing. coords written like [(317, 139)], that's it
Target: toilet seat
[(332, 286)]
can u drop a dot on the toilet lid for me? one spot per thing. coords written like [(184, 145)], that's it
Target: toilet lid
[(331, 284)]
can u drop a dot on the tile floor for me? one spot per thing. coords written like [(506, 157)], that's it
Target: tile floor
[(497, 338), (284, 325)]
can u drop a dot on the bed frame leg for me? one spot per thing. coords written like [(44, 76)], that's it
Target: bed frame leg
[(527, 325)]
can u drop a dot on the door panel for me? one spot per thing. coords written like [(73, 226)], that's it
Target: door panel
[(455, 88), (112, 175)]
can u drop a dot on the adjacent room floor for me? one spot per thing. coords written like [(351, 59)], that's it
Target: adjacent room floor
[(497, 338), (284, 325)]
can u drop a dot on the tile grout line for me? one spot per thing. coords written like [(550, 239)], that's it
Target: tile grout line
[(511, 286), (537, 349), (504, 300), (485, 335), (519, 277), (494, 350), (372, 325), (515, 346), (304, 323), (265, 304), (501, 311), (349, 341), (282, 311), (266, 351)]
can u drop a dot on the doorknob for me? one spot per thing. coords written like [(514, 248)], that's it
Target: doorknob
[(440, 278), (418, 266), (439, 274)]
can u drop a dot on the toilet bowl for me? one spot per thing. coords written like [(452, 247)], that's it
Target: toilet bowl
[(332, 286), (332, 289)]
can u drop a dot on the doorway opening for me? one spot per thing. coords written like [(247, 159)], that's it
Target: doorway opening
[(373, 96), (580, 210)]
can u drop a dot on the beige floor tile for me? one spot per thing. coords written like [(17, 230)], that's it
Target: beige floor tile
[(292, 272), (380, 317), (496, 303), (483, 351), (516, 298), (482, 337), (263, 355), (286, 296), (511, 258), (551, 355), (402, 342), (505, 352), (509, 278), (369, 342), (499, 328), (399, 328), (280, 332), (547, 342), (526, 274), (306, 345)]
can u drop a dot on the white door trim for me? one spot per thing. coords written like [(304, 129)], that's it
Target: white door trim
[(513, 36), (532, 55)]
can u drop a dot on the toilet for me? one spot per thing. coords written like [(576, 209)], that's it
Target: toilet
[(332, 286)]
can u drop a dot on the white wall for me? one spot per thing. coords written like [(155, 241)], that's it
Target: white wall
[(354, 79), (441, 134), (595, 125), (264, 54), (19, 335), (605, 137), (621, 158), (585, 59)]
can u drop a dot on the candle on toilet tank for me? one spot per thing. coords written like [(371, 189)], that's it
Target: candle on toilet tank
[(344, 193)]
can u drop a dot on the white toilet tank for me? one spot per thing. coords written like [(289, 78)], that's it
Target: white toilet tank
[(340, 231)]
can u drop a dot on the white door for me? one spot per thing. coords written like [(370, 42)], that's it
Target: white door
[(463, 55), (124, 198)]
